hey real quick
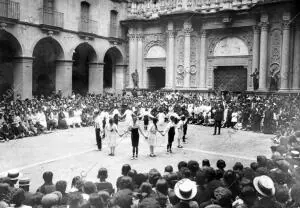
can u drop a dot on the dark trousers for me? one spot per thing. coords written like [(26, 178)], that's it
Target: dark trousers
[(98, 138), (184, 132), (217, 126)]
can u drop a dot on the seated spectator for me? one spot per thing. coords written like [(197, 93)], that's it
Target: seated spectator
[(103, 185), (18, 199), (75, 200), (48, 186), (186, 191), (61, 186)]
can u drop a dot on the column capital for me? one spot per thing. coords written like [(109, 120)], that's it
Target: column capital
[(256, 29), (286, 25), (170, 33), (131, 36), (187, 31), (264, 26), (203, 33), (139, 36)]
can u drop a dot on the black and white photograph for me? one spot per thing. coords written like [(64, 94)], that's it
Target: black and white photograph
[(149, 103)]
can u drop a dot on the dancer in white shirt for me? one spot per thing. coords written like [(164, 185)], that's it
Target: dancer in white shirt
[(111, 132), (152, 135)]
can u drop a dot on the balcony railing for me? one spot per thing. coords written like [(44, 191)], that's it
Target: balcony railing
[(51, 18), (9, 9), (88, 26)]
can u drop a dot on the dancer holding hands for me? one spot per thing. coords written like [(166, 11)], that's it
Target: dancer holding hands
[(111, 132), (135, 129), (152, 135), (170, 130)]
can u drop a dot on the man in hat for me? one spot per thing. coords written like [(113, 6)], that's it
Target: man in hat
[(218, 117), (24, 184), (186, 191)]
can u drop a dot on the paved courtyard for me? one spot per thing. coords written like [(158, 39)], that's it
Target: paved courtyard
[(73, 152)]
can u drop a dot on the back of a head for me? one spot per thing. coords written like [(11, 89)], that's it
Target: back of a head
[(18, 197), (205, 163), (95, 201), (154, 175), (181, 164), (48, 176), (169, 169), (193, 166), (75, 199), (61, 186), (162, 186), (102, 173), (89, 187), (122, 198), (146, 188), (149, 203), (125, 169), (221, 164), (125, 183)]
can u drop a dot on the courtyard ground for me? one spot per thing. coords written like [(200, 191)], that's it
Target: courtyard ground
[(73, 152)]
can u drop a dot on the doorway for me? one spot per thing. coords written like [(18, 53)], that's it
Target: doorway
[(230, 78), (157, 77)]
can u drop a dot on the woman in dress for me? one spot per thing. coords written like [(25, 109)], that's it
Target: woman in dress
[(111, 132), (152, 135), (134, 128)]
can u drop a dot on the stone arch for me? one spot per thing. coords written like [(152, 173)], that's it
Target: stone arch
[(46, 52), (10, 49), (54, 40), (114, 69), (231, 46), (84, 55)]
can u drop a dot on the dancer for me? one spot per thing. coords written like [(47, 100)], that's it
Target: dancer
[(135, 129), (179, 131), (170, 130), (116, 115), (152, 135), (111, 132), (128, 116), (98, 126), (161, 118), (185, 125)]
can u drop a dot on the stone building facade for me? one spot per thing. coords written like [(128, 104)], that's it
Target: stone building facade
[(207, 45), (67, 45)]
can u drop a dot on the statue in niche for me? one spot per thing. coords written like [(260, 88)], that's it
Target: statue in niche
[(135, 79), (274, 78), (255, 77)]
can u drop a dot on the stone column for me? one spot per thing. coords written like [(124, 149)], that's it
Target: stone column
[(140, 59), (284, 72), (263, 66), (296, 70), (255, 50), (132, 55), (96, 78), (187, 52), (22, 77), (170, 78), (203, 59), (63, 79), (120, 77)]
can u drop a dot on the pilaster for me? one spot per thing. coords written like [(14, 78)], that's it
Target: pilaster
[(296, 64), (64, 77), (263, 66), (203, 59), (170, 78), (256, 54), (187, 52), (132, 55), (284, 72), (22, 74), (96, 78), (140, 59)]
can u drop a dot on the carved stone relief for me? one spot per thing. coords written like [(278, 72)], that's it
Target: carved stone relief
[(180, 60), (244, 34), (193, 61), (154, 39)]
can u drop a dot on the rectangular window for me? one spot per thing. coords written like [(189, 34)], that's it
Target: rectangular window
[(114, 23)]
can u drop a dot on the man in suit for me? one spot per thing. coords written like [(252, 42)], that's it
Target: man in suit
[(219, 117)]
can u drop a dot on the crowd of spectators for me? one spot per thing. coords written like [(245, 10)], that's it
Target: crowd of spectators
[(30, 117), (266, 183)]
